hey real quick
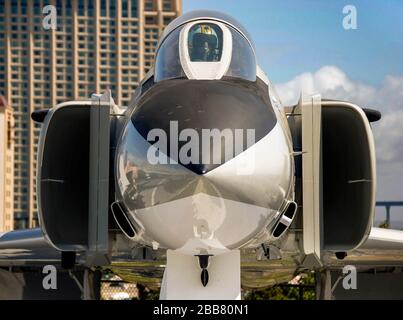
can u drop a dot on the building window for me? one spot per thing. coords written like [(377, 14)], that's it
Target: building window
[(134, 9), (167, 6), (149, 5), (151, 20), (124, 8), (103, 8)]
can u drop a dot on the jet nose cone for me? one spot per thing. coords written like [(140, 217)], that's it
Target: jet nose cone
[(200, 169), (203, 124), (216, 210)]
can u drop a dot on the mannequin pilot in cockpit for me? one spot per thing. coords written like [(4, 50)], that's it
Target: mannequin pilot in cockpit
[(204, 43)]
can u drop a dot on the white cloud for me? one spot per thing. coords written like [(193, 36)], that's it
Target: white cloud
[(330, 82), (333, 83)]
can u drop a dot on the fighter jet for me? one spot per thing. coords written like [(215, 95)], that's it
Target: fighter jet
[(205, 163)]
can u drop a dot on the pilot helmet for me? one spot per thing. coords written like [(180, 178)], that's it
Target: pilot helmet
[(203, 43)]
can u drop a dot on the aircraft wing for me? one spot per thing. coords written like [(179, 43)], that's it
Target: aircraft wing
[(385, 239), (26, 247), (23, 239)]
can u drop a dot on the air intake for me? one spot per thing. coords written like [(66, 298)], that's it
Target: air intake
[(285, 220), (123, 220)]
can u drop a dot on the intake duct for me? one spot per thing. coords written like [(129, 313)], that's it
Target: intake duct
[(338, 191), (122, 220), (286, 218)]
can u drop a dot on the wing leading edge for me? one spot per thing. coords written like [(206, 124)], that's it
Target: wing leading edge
[(381, 238)]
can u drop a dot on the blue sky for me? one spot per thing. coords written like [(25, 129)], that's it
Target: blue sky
[(298, 36)]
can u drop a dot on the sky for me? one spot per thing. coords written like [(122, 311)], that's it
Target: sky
[(295, 36), (302, 45)]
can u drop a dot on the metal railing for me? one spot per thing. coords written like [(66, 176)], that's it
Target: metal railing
[(388, 205)]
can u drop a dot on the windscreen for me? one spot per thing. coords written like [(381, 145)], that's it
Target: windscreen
[(168, 64), (205, 43)]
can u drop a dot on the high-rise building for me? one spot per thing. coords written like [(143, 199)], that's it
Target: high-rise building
[(96, 44), (6, 166)]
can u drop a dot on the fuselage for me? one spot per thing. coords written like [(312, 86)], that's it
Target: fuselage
[(204, 164)]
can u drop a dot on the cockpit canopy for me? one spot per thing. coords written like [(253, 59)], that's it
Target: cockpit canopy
[(205, 50)]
